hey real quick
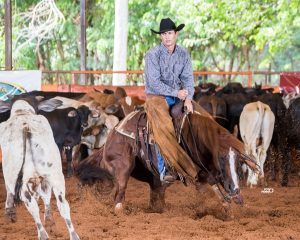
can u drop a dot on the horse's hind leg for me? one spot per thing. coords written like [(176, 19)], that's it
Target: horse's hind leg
[(157, 195)]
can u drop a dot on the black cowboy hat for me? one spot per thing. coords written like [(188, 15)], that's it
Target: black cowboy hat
[(166, 24)]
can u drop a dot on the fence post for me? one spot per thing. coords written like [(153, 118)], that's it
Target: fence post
[(249, 79), (73, 78)]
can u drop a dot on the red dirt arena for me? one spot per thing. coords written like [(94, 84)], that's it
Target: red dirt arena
[(189, 214)]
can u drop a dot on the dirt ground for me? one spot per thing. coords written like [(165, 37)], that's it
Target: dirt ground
[(189, 214)]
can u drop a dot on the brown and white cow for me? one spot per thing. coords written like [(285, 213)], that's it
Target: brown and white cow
[(256, 128), (31, 162)]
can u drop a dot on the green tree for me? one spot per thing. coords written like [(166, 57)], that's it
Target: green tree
[(229, 35)]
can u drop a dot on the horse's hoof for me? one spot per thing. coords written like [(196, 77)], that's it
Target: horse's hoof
[(119, 209), (152, 209)]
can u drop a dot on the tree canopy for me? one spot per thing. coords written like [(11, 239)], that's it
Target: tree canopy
[(229, 35)]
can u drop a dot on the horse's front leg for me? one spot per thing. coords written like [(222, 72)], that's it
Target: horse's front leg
[(122, 177), (157, 195), (119, 163)]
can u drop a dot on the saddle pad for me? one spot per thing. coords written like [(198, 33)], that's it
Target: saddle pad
[(128, 126)]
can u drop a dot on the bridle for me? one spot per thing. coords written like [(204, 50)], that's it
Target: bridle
[(183, 117)]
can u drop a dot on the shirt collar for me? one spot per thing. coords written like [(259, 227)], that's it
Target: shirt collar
[(165, 50)]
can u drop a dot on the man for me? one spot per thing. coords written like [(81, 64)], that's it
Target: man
[(168, 79)]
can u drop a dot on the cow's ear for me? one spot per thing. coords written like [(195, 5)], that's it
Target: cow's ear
[(95, 114), (4, 106), (39, 98), (72, 113), (49, 105), (112, 109)]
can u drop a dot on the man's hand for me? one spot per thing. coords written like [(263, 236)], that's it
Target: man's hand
[(188, 104), (182, 94)]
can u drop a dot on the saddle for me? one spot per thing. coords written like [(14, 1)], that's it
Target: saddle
[(135, 125)]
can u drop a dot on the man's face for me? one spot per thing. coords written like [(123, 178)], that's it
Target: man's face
[(169, 38)]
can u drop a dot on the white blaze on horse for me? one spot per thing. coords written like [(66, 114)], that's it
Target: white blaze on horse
[(32, 163), (256, 127)]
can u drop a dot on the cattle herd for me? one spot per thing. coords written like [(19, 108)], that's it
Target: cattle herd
[(39, 129)]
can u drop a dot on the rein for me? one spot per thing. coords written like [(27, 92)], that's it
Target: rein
[(227, 197), (219, 117)]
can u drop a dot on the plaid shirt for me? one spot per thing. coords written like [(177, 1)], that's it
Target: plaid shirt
[(166, 73)]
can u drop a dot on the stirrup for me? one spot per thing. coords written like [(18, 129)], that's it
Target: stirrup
[(167, 178)]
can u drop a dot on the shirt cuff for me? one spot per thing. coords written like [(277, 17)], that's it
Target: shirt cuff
[(175, 93)]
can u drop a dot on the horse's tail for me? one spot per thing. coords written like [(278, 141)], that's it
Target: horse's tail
[(89, 171)]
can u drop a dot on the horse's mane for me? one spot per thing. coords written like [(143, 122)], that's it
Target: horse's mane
[(215, 137)]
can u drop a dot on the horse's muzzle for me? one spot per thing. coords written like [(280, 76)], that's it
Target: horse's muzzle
[(237, 197)]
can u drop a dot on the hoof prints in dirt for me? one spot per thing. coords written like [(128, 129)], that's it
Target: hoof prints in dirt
[(217, 214)]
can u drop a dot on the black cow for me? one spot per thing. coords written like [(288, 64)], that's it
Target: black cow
[(216, 107), (231, 88), (292, 128), (204, 89), (234, 104), (67, 126), (257, 90)]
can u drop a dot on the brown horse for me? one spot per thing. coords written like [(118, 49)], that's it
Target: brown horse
[(216, 152)]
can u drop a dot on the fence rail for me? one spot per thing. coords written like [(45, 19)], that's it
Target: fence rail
[(135, 77)]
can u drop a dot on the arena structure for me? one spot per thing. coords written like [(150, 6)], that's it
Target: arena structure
[(270, 211), (67, 81)]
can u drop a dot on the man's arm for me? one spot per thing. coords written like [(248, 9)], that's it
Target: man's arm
[(187, 78), (153, 76)]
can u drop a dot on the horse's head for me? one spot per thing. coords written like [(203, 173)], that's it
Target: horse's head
[(229, 171)]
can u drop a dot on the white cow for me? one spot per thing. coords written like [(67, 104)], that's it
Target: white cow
[(256, 128), (32, 163)]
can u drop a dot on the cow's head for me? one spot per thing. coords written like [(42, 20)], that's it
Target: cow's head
[(83, 113), (124, 106), (116, 110)]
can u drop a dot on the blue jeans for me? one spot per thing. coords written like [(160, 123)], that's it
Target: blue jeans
[(171, 101)]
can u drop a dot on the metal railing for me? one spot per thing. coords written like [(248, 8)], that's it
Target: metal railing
[(135, 77)]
